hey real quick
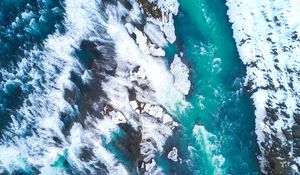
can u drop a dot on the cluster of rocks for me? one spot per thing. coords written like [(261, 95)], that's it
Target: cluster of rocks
[(132, 92), (152, 121)]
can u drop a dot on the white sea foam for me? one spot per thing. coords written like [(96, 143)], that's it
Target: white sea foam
[(42, 108), (208, 143), (92, 137)]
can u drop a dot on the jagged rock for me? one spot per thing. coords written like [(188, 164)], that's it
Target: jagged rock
[(173, 155), (181, 75)]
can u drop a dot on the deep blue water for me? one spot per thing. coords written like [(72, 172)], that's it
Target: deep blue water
[(24, 24)]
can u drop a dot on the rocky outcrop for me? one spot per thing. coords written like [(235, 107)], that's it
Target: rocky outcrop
[(266, 34), (139, 90)]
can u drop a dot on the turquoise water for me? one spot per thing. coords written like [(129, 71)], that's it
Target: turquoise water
[(218, 134)]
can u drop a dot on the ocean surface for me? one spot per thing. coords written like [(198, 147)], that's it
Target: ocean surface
[(50, 122)]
